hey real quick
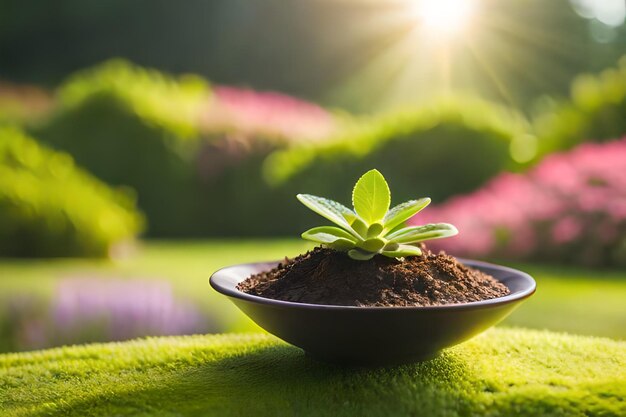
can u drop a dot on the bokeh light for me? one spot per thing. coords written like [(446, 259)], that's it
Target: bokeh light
[(609, 12)]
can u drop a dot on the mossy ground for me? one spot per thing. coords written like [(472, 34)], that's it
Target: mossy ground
[(504, 372)]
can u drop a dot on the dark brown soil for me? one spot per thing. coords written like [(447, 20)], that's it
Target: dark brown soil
[(325, 276)]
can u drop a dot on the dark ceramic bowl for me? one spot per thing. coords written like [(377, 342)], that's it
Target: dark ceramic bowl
[(374, 335)]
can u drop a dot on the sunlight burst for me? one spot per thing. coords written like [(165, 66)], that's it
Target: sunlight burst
[(442, 48), (445, 16)]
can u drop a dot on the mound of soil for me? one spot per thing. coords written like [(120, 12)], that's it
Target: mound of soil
[(325, 276)]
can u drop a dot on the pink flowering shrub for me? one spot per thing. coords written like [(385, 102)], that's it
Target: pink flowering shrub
[(569, 208), (266, 114), (247, 125)]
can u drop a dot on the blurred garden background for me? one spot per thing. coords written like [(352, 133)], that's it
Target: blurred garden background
[(145, 144)]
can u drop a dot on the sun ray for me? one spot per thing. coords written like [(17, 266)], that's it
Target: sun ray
[(491, 72), (498, 49), (537, 38)]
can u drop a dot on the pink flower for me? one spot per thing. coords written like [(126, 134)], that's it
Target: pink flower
[(571, 201), (249, 112), (566, 229)]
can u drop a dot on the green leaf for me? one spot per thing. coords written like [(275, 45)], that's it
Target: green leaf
[(402, 251), (374, 230), (402, 212), (415, 234), (391, 246), (332, 210), (360, 227), (360, 255), (371, 197), (341, 245), (328, 235), (372, 245)]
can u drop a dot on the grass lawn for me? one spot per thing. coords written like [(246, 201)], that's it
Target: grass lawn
[(504, 372), (568, 299)]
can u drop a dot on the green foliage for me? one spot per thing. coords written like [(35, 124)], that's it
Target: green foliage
[(173, 104), (596, 111), (140, 128), (135, 127), (50, 207), (504, 372), (372, 228), (440, 150)]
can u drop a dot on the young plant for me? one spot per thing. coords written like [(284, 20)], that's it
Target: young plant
[(372, 228)]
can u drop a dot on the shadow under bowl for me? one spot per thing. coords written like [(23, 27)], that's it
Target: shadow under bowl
[(374, 335)]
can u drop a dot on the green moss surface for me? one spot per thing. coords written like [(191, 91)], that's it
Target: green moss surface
[(508, 372)]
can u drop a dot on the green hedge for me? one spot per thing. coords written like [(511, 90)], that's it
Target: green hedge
[(135, 127), (440, 150), (174, 104), (140, 128), (195, 174), (504, 372), (50, 207), (596, 111)]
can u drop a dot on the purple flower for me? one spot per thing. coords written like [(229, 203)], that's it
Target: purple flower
[(104, 308), (99, 309)]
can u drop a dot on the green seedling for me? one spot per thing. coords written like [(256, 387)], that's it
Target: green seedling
[(372, 228)]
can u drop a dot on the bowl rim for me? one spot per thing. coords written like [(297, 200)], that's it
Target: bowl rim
[(219, 285)]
